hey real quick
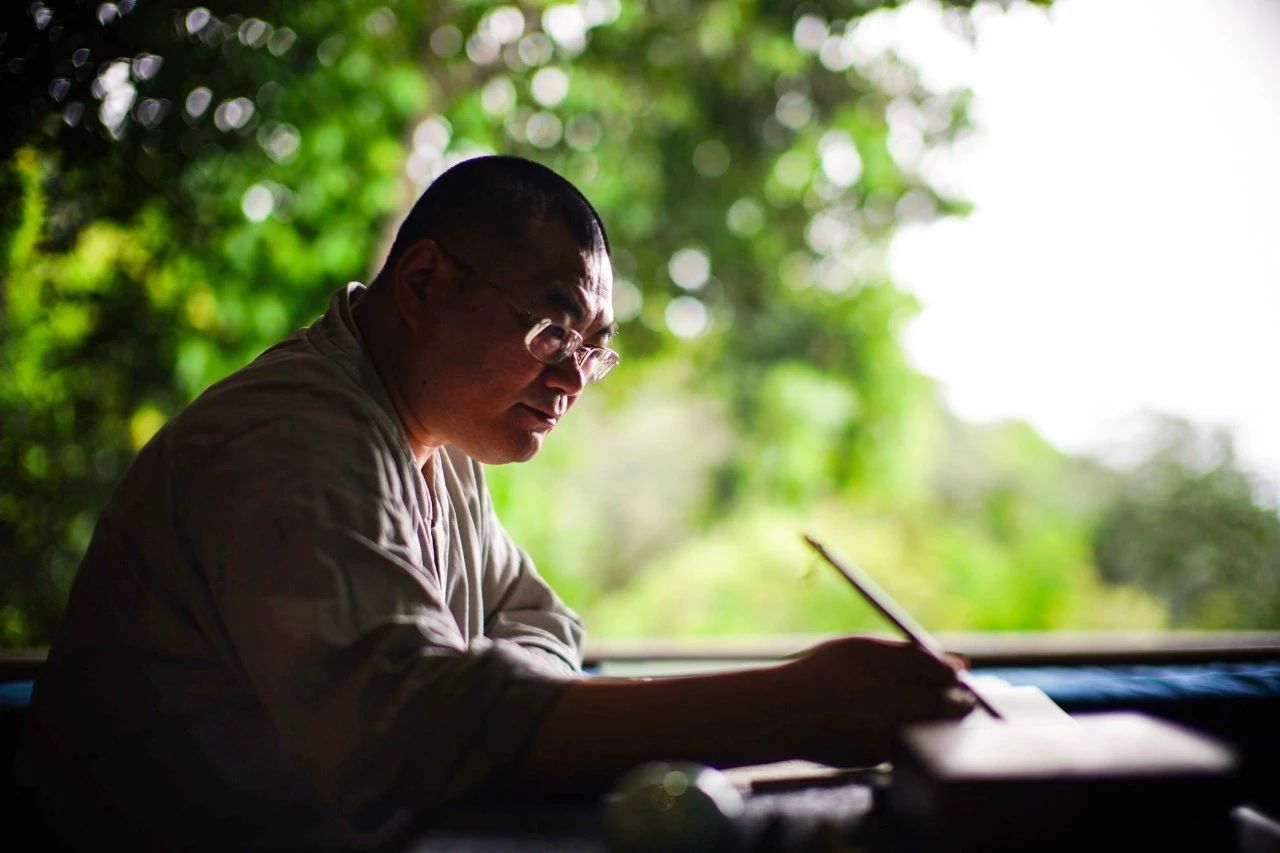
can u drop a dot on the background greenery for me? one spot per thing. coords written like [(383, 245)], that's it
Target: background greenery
[(184, 185)]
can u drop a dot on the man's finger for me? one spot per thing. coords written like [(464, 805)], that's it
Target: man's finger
[(922, 666), (959, 701), (930, 704)]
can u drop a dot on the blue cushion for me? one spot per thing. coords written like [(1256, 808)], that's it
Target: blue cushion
[(1111, 685), (15, 695)]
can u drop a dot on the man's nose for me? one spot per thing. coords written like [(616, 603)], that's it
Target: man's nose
[(567, 376)]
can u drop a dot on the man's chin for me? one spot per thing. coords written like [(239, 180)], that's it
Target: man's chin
[(521, 448)]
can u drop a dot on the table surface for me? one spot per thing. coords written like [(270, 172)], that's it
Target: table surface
[(776, 820), (835, 815)]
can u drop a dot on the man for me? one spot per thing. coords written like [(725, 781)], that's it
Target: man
[(299, 619)]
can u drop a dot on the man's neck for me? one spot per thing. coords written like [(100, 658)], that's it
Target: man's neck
[(383, 340)]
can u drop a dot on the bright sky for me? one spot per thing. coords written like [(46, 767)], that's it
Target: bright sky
[(1124, 256)]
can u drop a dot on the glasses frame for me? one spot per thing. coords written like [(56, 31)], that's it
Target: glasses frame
[(575, 348)]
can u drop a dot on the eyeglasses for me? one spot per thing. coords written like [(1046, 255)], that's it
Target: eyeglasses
[(548, 342)]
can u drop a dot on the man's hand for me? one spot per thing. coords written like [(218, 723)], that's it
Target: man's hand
[(851, 694)]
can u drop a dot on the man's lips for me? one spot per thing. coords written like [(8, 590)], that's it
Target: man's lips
[(549, 416)]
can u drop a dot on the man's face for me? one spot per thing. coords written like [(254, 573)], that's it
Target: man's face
[(476, 385)]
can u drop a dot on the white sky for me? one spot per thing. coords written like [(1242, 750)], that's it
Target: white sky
[(1124, 256)]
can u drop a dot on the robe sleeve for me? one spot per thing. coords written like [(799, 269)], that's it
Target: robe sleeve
[(519, 605)]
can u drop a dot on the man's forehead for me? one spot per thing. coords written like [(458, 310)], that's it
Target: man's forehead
[(556, 273), (586, 297)]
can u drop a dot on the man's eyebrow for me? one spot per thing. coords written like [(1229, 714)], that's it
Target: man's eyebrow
[(571, 306), (562, 299)]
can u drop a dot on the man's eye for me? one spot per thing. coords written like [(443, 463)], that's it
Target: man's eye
[(557, 332)]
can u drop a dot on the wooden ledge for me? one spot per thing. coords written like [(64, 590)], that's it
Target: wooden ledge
[(1013, 648)]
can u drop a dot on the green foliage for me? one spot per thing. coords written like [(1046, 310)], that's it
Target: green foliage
[(133, 274), (1191, 528), (76, 403), (182, 186)]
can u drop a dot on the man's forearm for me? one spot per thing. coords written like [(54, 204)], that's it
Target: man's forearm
[(599, 728), (841, 702)]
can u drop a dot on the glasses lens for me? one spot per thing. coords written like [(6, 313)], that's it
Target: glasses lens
[(550, 343), (599, 362)]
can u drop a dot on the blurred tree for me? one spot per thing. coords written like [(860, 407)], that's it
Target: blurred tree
[(1193, 528), (184, 184), (164, 220)]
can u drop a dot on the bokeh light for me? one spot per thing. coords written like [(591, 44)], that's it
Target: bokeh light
[(841, 162), (627, 300), (117, 94), (257, 203), (146, 65), (535, 49), (543, 129), (687, 317), (690, 268), (233, 114), (198, 101), (583, 132), (445, 41), (549, 86), (794, 110), (793, 170), (567, 26), (745, 217), (505, 24), (711, 158), (196, 19), (498, 97), (810, 33)]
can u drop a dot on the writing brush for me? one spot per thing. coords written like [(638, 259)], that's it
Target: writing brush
[(890, 609)]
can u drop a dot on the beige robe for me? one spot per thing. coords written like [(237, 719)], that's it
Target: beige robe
[(272, 641)]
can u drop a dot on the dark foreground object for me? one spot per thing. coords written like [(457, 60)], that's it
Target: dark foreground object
[(1102, 781)]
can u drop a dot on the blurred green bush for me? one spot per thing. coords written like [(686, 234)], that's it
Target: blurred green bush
[(184, 185)]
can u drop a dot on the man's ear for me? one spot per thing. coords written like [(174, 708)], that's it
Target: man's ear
[(416, 279)]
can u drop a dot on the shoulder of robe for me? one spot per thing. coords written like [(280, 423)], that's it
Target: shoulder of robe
[(289, 414)]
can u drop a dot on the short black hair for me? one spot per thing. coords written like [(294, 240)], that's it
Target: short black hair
[(496, 197)]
